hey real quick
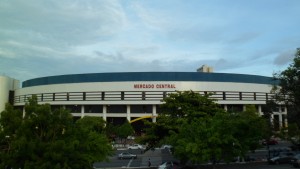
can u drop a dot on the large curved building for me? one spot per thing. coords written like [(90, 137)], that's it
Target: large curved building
[(127, 96)]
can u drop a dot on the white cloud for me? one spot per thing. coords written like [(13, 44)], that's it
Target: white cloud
[(284, 58), (50, 37), (60, 24)]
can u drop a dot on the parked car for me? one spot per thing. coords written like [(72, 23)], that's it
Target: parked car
[(295, 161), (269, 142), (284, 157), (135, 146), (169, 165), (126, 155), (166, 146)]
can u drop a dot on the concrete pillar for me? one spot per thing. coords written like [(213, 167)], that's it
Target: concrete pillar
[(285, 121), (284, 109), (24, 113), (104, 112), (128, 113), (244, 107), (82, 111), (154, 114), (272, 119), (225, 107), (280, 120), (280, 116), (259, 110)]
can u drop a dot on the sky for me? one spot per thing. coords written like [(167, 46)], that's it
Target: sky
[(55, 37)]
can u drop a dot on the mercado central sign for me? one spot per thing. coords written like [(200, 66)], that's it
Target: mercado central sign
[(154, 86)]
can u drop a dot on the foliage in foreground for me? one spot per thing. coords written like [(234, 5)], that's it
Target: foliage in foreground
[(289, 91), (201, 131), (45, 139)]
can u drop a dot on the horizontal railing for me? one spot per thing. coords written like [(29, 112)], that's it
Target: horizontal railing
[(140, 96)]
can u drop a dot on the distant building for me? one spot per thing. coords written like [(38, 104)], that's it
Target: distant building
[(205, 69), (117, 97), (7, 87)]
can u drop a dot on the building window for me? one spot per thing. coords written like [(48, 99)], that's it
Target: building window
[(74, 108), (116, 120), (283, 120), (276, 122), (235, 108), (93, 108), (116, 109), (140, 108), (56, 107), (158, 109), (282, 109)]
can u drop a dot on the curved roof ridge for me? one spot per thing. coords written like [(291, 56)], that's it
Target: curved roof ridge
[(148, 76)]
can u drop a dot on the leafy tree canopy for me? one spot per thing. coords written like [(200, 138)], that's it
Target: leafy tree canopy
[(200, 130), (46, 139), (125, 130), (289, 82)]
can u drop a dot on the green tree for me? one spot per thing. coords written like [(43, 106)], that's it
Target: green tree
[(200, 130), (203, 140), (177, 108), (45, 139), (124, 130), (289, 90), (249, 128), (268, 110), (293, 131)]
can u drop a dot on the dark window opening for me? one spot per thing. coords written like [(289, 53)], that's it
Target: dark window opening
[(116, 109), (74, 108), (158, 109), (93, 108), (56, 107), (11, 97), (235, 108), (141, 108), (116, 120), (276, 122)]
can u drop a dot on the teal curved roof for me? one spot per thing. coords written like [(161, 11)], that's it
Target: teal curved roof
[(149, 76)]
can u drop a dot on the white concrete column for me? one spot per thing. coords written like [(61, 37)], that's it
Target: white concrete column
[(82, 111), (128, 113), (280, 116), (259, 110), (244, 107), (104, 112), (280, 120), (272, 119), (24, 113), (154, 114), (225, 107), (284, 110), (286, 121)]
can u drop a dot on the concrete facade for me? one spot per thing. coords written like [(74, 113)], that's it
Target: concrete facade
[(137, 94), (7, 85)]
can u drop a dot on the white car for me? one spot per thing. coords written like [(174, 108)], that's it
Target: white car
[(169, 165), (166, 146), (126, 155), (135, 146)]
